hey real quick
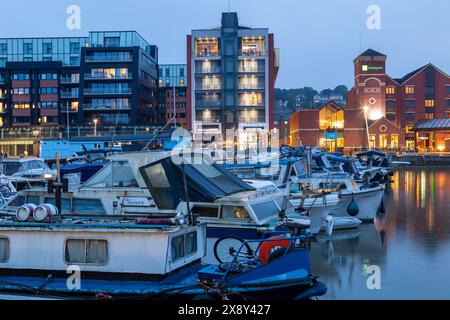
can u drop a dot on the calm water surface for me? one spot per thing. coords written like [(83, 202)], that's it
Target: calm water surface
[(410, 243)]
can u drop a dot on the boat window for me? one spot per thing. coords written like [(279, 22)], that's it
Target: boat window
[(300, 168), (269, 173), (234, 212), (4, 250), (34, 199), (279, 202), (117, 174), (17, 201), (122, 175), (65, 203), (11, 167), (265, 210), (208, 212), (87, 206), (86, 251), (184, 245), (159, 187), (216, 176)]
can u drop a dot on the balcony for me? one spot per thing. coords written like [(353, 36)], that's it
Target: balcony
[(252, 119), (246, 69), (69, 95), (90, 91), (212, 119), (89, 76), (208, 103), (252, 52), (104, 107), (243, 103), (207, 53), (250, 86), (208, 87), (113, 58), (65, 109), (69, 80), (2, 81), (208, 70)]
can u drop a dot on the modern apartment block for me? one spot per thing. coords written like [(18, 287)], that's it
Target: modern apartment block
[(231, 73), (107, 77), (172, 78)]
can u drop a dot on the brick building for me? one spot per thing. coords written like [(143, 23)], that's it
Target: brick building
[(384, 112)]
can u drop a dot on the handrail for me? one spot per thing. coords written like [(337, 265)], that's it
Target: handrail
[(260, 241)]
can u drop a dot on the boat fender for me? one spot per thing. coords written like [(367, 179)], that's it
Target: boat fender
[(25, 211), (270, 247), (330, 225), (353, 208), (44, 211)]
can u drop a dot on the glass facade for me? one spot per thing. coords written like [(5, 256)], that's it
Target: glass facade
[(67, 50), (171, 75)]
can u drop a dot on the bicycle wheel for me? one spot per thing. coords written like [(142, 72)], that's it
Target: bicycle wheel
[(226, 248)]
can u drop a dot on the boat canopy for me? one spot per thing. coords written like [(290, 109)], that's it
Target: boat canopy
[(206, 182), (371, 153)]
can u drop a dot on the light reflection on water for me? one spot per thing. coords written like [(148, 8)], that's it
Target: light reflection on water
[(410, 243)]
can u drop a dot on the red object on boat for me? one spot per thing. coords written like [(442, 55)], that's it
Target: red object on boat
[(168, 221), (267, 246)]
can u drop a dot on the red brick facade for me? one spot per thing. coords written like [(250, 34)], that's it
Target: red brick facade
[(392, 106)]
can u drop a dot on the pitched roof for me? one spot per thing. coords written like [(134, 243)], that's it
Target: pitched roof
[(409, 75), (371, 53)]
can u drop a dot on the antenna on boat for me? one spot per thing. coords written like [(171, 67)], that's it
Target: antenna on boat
[(186, 194)]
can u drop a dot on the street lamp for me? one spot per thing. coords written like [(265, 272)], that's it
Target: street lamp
[(366, 111), (95, 127)]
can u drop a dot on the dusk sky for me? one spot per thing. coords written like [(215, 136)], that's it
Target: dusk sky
[(318, 39)]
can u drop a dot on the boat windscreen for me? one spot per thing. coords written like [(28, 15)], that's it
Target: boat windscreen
[(227, 184), (10, 167)]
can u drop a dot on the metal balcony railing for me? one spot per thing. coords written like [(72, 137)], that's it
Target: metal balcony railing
[(250, 86), (104, 107), (90, 91), (90, 76), (69, 80), (208, 87), (251, 104), (113, 58), (208, 103), (213, 119), (244, 69), (252, 119), (207, 53), (208, 70), (252, 52), (65, 94)]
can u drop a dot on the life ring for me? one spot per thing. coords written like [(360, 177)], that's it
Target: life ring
[(269, 247)]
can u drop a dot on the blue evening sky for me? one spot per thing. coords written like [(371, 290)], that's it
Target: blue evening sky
[(318, 39)]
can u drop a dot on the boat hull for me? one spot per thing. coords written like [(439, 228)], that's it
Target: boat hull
[(368, 202)]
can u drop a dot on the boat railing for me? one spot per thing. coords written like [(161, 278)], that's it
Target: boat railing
[(245, 244)]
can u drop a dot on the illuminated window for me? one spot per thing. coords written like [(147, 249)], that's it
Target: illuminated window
[(409, 89), (429, 103), (181, 82), (390, 90), (409, 129), (394, 141), (21, 106), (365, 67), (429, 116), (74, 106)]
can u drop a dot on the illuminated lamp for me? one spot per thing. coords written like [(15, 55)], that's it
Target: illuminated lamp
[(441, 148)]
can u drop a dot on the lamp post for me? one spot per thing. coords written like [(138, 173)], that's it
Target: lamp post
[(95, 127), (366, 111)]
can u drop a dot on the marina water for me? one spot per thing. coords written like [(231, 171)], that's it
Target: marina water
[(409, 243)]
